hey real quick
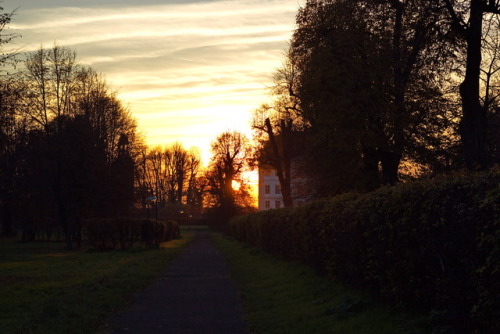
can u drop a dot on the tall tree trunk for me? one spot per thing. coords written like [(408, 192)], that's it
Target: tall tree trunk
[(370, 169), (6, 217), (391, 154), (63, 220), (283, 165), (474, 122), (390, 165), (180, 187), (228, 192), (61, 200)]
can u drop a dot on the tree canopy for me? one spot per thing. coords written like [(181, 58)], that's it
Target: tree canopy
[(374, 84)]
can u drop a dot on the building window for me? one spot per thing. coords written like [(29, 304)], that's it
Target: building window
[(267, 205), (277, 189), (278, 204), (267, 189)]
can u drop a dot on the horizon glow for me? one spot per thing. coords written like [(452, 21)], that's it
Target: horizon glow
[(188, 70)]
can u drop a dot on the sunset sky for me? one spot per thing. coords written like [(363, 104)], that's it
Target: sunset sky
[(188, 69)]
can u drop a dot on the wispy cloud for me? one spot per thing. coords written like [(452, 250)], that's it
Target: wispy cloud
[(188, 69)]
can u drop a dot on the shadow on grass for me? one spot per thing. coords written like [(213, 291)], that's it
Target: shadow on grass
[(285, 297), (46, 289)]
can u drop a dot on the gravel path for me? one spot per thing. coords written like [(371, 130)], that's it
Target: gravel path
[(195, 295)]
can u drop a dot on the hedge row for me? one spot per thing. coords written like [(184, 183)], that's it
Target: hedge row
[(109, 233), (156, 232), (431, 245)]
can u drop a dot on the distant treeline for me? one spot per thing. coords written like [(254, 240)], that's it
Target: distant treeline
[(70, 153), (67, 145)]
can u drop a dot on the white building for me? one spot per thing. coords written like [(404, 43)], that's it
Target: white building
[(269, 190), (270, 196)]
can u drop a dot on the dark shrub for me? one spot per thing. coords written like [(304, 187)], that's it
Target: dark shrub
[(431, 245), (107, 233), (156, 232)]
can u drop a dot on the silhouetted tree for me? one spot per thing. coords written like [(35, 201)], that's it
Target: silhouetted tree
[(177, 172), (467, 19), (339, 67), (366, 72), (12, 127), (193, 192), (275, 152), (13, 131), (78, 126), (109, 119), (169, 174), (490, 88), (276, 126), (122, 174), (50, 76), (231, 151)]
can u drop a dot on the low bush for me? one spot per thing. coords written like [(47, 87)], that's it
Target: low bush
[(430, 245)]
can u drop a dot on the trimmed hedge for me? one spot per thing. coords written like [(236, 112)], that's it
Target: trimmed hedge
[(431, 245), (109, 233), (156, 232)]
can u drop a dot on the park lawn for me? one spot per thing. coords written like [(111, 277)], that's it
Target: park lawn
[(281, 297), (45, 289)]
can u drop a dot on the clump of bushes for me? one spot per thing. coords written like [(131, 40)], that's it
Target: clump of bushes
[(108, 233), (123, 232), (156, 232), (431, 245)]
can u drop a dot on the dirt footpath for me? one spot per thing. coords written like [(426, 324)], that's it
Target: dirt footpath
[(195, 295)]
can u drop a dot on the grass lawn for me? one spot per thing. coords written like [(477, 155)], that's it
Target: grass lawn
[(283, 297), (45, 289)]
